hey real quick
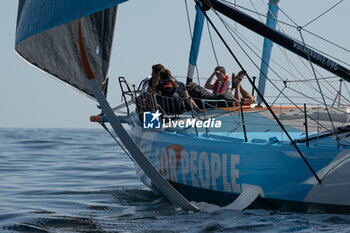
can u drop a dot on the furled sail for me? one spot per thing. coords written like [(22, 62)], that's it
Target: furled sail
[(46, 36)]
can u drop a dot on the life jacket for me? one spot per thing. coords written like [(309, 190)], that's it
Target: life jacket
[(166, 87), (222, 87), (175, 90)]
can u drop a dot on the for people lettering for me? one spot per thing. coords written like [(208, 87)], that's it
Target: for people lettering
[(199, 168)]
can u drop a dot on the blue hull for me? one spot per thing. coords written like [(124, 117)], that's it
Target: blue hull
[(223, 166)]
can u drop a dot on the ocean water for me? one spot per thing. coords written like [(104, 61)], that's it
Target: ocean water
[(79, 180)]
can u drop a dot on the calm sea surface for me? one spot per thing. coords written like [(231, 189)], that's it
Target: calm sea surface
[(79, 180)]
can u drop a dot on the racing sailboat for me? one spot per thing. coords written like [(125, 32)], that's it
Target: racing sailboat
[(263, 154)]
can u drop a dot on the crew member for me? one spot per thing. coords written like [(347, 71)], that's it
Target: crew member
[(222, 83)]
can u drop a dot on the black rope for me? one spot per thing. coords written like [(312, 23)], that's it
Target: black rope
[(261, 96), (322, 14), (190, 28), (126, 152)]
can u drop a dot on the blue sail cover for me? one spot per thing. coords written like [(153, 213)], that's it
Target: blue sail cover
[(47, 37)]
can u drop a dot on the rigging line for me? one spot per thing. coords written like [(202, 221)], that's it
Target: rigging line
[(346, 87), (259, 14), (329, 98), (289, 72), (335, 89), (253, 45), (262, 97), (315, 89), (212, 44), (311, 86), (323, 13), (283, 50), (312, 71), (190, 28), (300, 109), (310, 80), (317, 101), (244, 41), (121, 146), (318, 84), (322, 38), (228, 26), (289, 64), (296, 26), (326, 54), (256, 11), (273, 102)]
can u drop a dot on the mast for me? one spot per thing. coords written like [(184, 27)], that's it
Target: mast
[(196, 41), (281, 39), (272, 14)]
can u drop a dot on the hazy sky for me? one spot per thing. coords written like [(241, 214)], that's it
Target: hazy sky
[(147, 32)]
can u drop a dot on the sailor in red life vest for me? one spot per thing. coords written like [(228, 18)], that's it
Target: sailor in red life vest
[(222, 83)]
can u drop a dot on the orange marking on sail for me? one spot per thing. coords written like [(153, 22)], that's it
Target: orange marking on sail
[(84, 58)]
